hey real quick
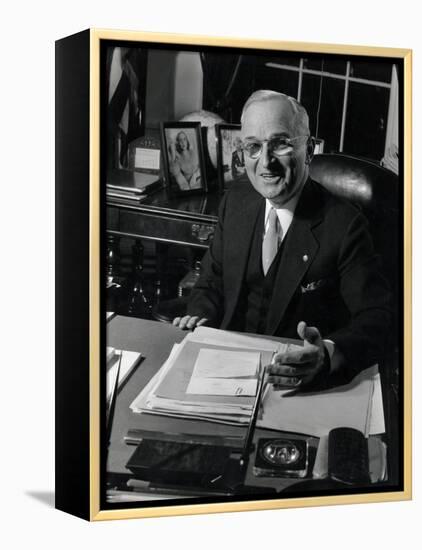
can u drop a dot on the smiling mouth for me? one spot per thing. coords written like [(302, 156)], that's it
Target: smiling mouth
[(271, 177)]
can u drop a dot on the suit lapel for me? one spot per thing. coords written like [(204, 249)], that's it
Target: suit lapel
[(299, 251), (243, 231)]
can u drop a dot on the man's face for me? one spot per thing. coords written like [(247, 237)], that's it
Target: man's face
[(277, 178)]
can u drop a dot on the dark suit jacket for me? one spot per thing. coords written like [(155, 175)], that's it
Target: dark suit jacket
[(328, 274)]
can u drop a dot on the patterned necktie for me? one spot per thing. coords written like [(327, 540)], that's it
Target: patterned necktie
[(271, 240)]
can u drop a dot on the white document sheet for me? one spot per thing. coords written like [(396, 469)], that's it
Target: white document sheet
[(377, 421), (219, 363), (222, 386), (147, 158), (318, 413)]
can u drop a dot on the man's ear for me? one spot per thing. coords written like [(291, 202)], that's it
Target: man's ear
[(310, 146)]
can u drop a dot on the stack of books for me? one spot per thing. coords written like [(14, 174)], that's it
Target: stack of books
[(131, 187)]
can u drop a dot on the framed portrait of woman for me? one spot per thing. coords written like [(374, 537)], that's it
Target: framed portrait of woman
[(183, 155)]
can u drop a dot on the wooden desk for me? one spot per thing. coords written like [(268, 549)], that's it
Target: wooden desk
[(166, 220), (188, 221), (155, 340), (175, 220)]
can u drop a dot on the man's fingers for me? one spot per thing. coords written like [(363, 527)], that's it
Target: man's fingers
[(189, 322), (301, 329), (290, 370), (309, 334), (298, 368), (280, 382), (184, 321), (192, 322), (304, 355), (312, 335)]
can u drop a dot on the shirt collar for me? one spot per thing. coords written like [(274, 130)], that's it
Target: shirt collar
[(285, 213)]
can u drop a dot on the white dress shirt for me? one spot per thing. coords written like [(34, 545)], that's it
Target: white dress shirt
[(285, 217), (284, 214)]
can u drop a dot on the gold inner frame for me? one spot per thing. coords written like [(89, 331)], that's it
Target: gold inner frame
[(95, 269)]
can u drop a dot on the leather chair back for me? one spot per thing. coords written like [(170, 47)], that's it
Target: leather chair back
[(373, 189)]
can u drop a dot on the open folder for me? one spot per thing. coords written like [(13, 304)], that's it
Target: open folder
[(171, 391)]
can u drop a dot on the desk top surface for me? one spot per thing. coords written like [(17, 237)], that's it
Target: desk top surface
[(154, 341), (201, 207)]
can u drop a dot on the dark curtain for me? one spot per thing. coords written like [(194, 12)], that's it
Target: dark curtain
[(228, 82)]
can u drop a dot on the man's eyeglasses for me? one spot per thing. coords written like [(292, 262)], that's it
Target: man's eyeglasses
[(277, 146)]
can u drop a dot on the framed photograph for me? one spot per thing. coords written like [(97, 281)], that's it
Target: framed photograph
[(230, 155), (319, 146), (242, 350), (183, 157)]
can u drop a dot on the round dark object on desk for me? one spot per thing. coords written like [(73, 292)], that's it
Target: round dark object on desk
[(167, 310)]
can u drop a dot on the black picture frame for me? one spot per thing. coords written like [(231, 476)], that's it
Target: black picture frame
[(181, 181), (230, 160)]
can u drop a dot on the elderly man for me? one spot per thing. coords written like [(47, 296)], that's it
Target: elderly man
[(290, 259)]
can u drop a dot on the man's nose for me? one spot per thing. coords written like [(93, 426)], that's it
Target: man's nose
[(266, 156)]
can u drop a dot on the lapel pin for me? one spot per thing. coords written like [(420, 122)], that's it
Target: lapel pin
[(305, 257)]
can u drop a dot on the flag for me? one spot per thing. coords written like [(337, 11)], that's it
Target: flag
[(124, 106)]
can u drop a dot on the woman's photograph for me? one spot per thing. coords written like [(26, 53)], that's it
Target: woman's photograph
[(183, 158)]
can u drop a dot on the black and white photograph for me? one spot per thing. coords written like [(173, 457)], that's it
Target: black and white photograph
[(183, 157), (230, 155), (269, 363), (252, 311)]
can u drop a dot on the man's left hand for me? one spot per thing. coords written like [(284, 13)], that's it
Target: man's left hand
[(299, 368)]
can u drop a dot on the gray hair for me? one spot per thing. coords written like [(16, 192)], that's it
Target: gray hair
[(301, 116)]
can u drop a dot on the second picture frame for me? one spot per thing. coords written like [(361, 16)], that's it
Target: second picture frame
[(230, 155)]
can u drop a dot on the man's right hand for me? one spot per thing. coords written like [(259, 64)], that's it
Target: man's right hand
[(189, 322)]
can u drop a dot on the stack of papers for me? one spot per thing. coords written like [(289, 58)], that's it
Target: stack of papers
[(212, 375)]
